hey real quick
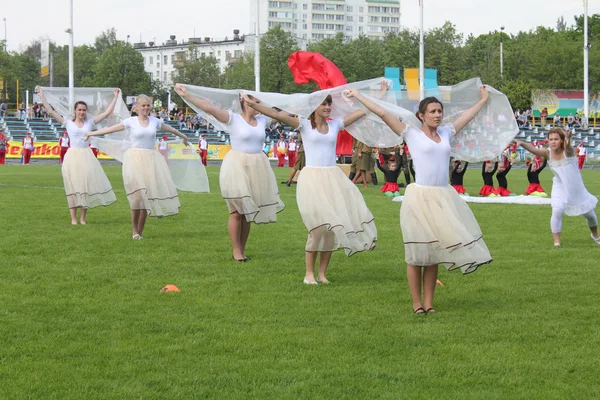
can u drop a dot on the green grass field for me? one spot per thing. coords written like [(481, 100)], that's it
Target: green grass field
[(82, 317)]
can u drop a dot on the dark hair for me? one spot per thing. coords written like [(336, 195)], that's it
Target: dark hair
[(560, 134), (77, 104), (242, 101), (328, 100), (424, 103)]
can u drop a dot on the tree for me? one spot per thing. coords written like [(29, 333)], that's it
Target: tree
[(106, 40), (275, 48), (123, 67), (199, 70), (518, 93), (240, 75), (561, 25)]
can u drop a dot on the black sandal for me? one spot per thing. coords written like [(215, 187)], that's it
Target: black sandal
[(419, 311), (430, 310)]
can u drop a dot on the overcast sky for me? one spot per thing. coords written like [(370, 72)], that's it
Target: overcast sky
[(158, 19)]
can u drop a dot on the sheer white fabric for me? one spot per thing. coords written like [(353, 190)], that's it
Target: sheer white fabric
[(188, 172), (484, 138)]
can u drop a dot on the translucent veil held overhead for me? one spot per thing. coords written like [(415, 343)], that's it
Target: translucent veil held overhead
[(484, 138), (301, 104), (184, 163)]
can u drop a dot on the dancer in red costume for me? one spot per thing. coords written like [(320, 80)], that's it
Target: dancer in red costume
[(487, 173), (28, 147), (203, 149), (503, 170), (292, 152), (3, 148), (391, 173), (533, 176), (281, 149), (64, 144), (456, 178), (581, 155)]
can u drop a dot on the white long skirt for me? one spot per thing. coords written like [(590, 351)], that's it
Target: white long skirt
[(86, 184), (148, 183), (249, 187), (334, 212), (438, 227)]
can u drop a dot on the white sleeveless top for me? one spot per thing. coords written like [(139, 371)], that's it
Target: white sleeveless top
[(246, 138), (430, 159), (568, 190), (76, 133), (319, 148), (142, 137)]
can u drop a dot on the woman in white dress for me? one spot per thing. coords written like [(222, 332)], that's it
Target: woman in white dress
[(331, 206), (86, 184), (569, 195), (247, 180), (437, 225), (146, 176)]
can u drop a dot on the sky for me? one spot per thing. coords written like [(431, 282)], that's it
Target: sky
[(155, 20)]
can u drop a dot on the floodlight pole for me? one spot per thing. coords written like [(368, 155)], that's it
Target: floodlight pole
[(586, 72), (422, 55), (257, 49), (71, 68)]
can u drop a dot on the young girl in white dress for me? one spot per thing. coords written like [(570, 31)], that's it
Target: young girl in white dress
[(331, 206), (569, 195), (86, 184), (146, 176), (437, 225), (246, 178)]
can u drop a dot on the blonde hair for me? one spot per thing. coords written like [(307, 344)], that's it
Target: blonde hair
[(143, 97)]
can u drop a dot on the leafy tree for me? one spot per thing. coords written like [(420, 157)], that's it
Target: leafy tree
[(275, 48), (240, 75), (199, 70), (123, 67)]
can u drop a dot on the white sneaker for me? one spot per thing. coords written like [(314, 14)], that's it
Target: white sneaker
[(556, 244), (307, 282), (597, 240)]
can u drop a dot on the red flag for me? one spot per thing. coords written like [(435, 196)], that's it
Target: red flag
[(306, 67)]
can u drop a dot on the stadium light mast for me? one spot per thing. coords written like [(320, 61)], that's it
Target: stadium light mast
[(422, 55), (586, 72), (501, 53), (257, 48), (71, 69), (5, 39)]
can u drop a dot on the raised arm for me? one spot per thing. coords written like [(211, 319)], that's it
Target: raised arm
[(51, 110), (495, 168), (109, 110), (569, 150), (532, 149), (472, 112), (353, 117), (168, 128), (281, 116), (220, 114), (105, 131), (394, 123)]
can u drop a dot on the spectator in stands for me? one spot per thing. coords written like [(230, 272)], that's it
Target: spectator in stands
[(164, 115), (146, 175), (3, 108), (64, 144), (556, 120), (22, 114), (3, 148), (174, 112), (203, 149), (86, 184), (524, 121), (36, 110), (577, 120), (570, 120), (28, 147), (44, 112), (544, 117)]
